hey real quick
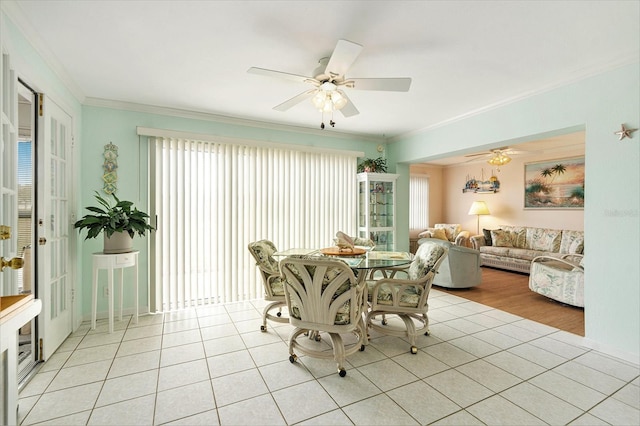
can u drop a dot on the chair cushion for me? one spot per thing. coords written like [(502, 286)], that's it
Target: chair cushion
[(263, 252), (277, 287), (409, 298), (424, 260)]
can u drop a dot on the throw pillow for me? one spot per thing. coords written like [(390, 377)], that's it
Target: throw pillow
[(501, 238), (576, 247), (439, 234), (518, 238), (427, 233), (487, 236)]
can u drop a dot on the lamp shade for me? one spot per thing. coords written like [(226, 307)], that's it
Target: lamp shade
[(479, 208)]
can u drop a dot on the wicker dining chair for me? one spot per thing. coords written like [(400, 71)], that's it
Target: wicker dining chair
[(324, 295), (262, 251), (403, 292)]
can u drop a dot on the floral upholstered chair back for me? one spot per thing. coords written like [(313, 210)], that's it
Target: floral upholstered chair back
[(427, 259), (321, 293), (409, 287), (404, 293), (262, 251)]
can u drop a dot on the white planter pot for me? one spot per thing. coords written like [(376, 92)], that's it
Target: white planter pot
[(119, 242)]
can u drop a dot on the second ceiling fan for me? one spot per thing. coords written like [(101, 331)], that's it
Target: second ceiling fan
[(330, 78)]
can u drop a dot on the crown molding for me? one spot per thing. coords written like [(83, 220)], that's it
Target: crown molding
[(14, 12), (630, 58), (206, 116)]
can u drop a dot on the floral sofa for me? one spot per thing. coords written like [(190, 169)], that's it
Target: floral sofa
[(514, 247)]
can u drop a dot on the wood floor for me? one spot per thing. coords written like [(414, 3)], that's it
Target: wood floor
[(509, 291)]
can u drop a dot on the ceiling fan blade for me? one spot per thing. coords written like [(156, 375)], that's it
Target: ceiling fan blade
[(294, 101), (478, 154), (279, 74), (349, 110), (342, 58), (386, 84)]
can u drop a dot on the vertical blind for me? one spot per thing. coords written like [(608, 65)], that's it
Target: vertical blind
[(212, 199), (419, 202)]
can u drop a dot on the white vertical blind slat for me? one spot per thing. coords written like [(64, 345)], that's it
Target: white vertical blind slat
[(213, 199), (419, 202)]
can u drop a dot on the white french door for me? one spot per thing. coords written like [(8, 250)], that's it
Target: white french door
[(54, 226), (8, 174)]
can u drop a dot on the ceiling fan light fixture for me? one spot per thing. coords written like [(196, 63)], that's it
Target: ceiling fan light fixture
[(328, 100), (499, 159), (338, 99)]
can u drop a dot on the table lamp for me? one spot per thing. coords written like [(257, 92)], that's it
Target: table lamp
[(479, 208)]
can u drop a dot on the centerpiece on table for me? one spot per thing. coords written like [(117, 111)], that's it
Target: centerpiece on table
[(119, 222)]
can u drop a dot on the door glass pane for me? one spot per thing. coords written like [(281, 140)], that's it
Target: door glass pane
[(54, 137), (63, 137)]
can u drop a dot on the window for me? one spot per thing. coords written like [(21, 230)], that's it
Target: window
[(419, 202)]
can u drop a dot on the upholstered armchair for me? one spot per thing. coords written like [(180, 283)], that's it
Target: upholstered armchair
[(262, 251), (449, 232), (323, 295), (561, 279), (461, 267), (404, 292)]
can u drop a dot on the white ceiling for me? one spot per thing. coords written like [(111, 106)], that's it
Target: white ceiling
[(463, 56)]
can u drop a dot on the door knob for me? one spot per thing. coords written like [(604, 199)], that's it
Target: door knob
[(15, 263), (42, 241)]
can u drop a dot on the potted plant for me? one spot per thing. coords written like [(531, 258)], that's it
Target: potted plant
[(373, 165), (119, 222)]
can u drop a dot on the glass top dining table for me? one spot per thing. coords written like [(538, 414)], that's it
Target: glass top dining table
[(368, 260)]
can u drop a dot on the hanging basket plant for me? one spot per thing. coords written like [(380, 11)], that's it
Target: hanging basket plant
[(373, 165)]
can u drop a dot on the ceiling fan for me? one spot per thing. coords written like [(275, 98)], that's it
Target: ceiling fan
[(498, 156), (329, 79)]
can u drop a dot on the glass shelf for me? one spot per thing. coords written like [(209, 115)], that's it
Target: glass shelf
[(376, 209)]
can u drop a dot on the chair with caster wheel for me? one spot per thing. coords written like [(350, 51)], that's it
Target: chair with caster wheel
[(402, 292), (324, 295), (262, 251)]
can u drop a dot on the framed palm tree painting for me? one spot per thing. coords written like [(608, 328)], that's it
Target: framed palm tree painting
[(554, 184)]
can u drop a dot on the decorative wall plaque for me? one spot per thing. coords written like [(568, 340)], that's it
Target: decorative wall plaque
[(110, 167)]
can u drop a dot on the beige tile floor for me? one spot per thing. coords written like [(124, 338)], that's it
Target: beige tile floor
[(213, 366)]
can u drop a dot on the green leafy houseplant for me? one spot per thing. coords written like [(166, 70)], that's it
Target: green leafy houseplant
[(373, 165), (120, 217)]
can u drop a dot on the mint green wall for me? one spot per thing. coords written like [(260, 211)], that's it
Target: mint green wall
[(612, 204), (103, 125), (598, 104)]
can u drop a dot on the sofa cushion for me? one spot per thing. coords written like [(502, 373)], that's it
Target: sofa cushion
[(494, 250), (572, 242), (500, 238), (525, 254), (511, 252), (544, 239)]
